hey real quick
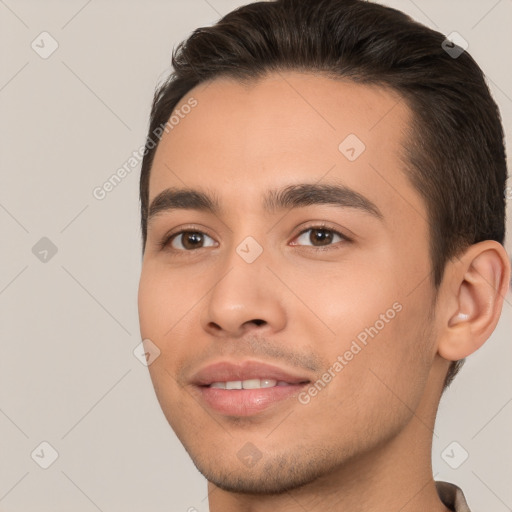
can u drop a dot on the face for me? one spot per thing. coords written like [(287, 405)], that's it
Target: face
[(303, 279)]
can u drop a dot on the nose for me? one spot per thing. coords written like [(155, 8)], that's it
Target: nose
[(246, 296)]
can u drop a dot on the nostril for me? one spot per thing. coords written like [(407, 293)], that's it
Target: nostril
[(258, 321)]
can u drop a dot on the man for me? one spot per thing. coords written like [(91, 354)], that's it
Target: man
[(323, 203)]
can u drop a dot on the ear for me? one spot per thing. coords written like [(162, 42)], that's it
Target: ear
[(473, 291)]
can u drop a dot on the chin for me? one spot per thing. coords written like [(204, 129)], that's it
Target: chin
[(273, 477)]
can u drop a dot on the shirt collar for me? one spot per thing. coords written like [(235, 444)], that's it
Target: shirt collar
[(452, 496)]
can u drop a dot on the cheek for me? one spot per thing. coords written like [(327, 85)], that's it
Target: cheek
[(157, 305), (353, 299), (382, 339), (376, 383), (396, 365), (163, 299), (149, 302)]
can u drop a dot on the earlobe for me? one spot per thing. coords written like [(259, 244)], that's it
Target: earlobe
[(478, 284)]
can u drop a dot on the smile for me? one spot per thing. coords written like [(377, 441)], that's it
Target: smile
[(249, 384), (245, 388)]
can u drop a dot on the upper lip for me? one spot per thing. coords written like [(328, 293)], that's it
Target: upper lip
[(225, 371)]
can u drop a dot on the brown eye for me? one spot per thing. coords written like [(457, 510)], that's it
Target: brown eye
[(188, 240), (320, 237)]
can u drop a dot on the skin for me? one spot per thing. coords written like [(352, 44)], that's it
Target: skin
[(364, 441)]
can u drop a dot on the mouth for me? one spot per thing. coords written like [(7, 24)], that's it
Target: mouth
[(247, 388), (249, 384)]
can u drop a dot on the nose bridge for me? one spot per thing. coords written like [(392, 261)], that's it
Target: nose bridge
[(248, 244)]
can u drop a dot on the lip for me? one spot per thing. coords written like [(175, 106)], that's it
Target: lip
[(225, 371), (245, 402)]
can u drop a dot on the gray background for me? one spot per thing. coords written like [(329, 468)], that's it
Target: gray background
[(69, 325)]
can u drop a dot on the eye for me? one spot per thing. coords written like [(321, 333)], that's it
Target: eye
[(320, 236), (187, 240)]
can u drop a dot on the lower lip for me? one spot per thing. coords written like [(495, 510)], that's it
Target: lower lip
[(246, 402)]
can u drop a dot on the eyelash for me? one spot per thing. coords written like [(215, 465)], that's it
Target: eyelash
[(167, 240)]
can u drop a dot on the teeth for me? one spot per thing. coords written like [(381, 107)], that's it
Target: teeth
[(249, 384), (221, 385)]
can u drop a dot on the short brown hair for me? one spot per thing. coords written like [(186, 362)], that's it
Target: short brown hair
[(455, 152)]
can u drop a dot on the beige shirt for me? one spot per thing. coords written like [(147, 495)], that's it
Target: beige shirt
[(452, 496)]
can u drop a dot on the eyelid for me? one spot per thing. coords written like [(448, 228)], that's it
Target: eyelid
[(326, 226)]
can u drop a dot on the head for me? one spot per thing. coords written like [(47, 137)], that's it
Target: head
[(305, 97)]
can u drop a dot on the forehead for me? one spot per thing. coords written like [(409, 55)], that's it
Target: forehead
[(240, 140)]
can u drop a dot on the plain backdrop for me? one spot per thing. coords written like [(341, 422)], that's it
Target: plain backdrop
[(70, 263)]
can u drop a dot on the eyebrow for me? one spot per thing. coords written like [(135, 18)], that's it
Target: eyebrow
[(292, 196)]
